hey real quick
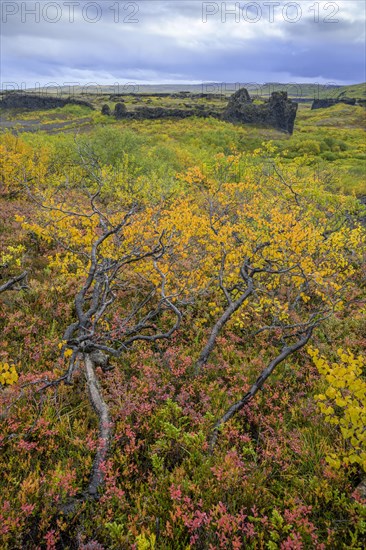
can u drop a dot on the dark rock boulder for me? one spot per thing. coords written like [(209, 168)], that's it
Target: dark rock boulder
[(120, 110), (279, 112), (38, 102), (117, 97), (239, 107), (325, 103), (348, 100), (106, 110)]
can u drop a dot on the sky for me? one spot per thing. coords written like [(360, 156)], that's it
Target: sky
[(181, 41)]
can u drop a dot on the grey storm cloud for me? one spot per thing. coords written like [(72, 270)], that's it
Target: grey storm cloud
[(182, 40)]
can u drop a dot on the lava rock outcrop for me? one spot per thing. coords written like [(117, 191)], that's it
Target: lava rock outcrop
[(120, 111), (106, 110), (34, 102), (278, 112), (325, 103)]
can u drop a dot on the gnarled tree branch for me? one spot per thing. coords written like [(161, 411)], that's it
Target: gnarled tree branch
[(232, 307), (12, 283), (102, 411), (258, 384)]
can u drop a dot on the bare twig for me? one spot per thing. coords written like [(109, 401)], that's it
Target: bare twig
[(12, 283)]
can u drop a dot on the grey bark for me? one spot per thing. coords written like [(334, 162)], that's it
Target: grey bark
[(102, 411)]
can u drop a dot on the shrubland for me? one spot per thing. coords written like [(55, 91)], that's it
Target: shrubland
[(221, 270)]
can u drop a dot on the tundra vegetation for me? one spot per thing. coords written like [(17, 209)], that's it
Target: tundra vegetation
[(182, 310)]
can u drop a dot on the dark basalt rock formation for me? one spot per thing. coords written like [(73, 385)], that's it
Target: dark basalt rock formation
[(303, 100), (325, 103), (152, 113), (348, 100), (120, 110), (106, 110), (278, 112), (117, 97), (238, 106), (39, 102), (281, 112), (156, 113)]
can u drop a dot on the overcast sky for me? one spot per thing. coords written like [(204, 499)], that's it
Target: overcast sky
[(161, 41)]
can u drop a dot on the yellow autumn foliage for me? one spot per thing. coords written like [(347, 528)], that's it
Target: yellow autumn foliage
[(8, 374), (209, 216), (20, 164), (343, 403)]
